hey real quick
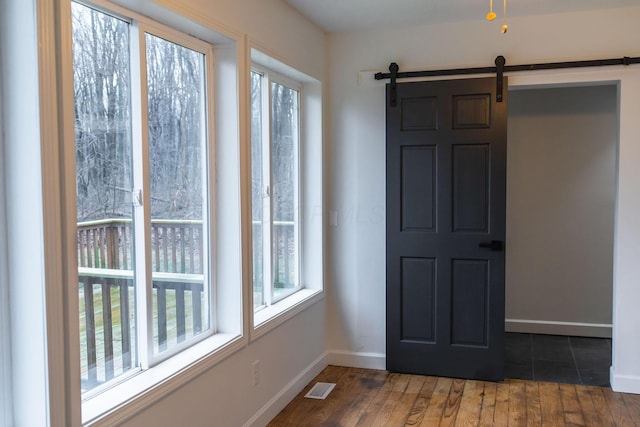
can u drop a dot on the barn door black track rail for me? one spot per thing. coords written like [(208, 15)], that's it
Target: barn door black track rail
[(499, 69)]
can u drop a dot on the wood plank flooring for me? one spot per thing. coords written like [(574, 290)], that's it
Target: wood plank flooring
[(365, 397)]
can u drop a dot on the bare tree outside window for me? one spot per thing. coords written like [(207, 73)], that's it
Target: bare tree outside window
[(175, 91), (103, 183), (102, 115)]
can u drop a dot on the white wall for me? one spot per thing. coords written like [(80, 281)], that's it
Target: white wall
[(225, 397), (357, 251), (561, 192)]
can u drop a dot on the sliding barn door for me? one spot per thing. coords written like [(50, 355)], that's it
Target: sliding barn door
[(446, 172)]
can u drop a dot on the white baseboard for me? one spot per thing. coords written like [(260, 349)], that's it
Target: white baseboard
[(278, 402), (357, 360), (558, 328), (624, 383)]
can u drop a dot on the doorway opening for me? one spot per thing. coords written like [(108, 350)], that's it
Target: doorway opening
[(561, 195)]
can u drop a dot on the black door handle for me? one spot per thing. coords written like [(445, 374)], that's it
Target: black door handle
[(494, 245)]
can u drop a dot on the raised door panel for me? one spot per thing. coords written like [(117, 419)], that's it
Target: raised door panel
[(469, 308), (418, 291), (470, 193), (418, 188)]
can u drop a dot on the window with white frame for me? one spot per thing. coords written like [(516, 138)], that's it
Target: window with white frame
[(144, 203), (275, 187)]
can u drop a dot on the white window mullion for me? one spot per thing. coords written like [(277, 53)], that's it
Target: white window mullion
[(141, 199)]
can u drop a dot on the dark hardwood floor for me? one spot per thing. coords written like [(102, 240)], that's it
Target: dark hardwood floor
[(378, 398)]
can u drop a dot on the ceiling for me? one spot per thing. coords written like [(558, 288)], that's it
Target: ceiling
[(357, 15)]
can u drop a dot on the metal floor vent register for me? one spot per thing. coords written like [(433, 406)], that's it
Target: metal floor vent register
[(320, 391)]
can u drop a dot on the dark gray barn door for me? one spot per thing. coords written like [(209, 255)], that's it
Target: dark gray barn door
[(446, 167)]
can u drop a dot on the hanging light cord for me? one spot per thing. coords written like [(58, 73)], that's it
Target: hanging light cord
[(491, 15), (504, 19)]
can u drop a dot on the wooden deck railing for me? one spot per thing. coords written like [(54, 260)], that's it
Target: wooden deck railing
[(98, 296), (106, 289), (176, 245), (284, 247), (107, 322), (106, 292)]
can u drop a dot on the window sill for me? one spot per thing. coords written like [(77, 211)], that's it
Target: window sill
[(119, 402), (270, 317)]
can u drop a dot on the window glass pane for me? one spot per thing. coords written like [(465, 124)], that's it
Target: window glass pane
[(177, 168), (103, 186), (257, 189), (284, 173)]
